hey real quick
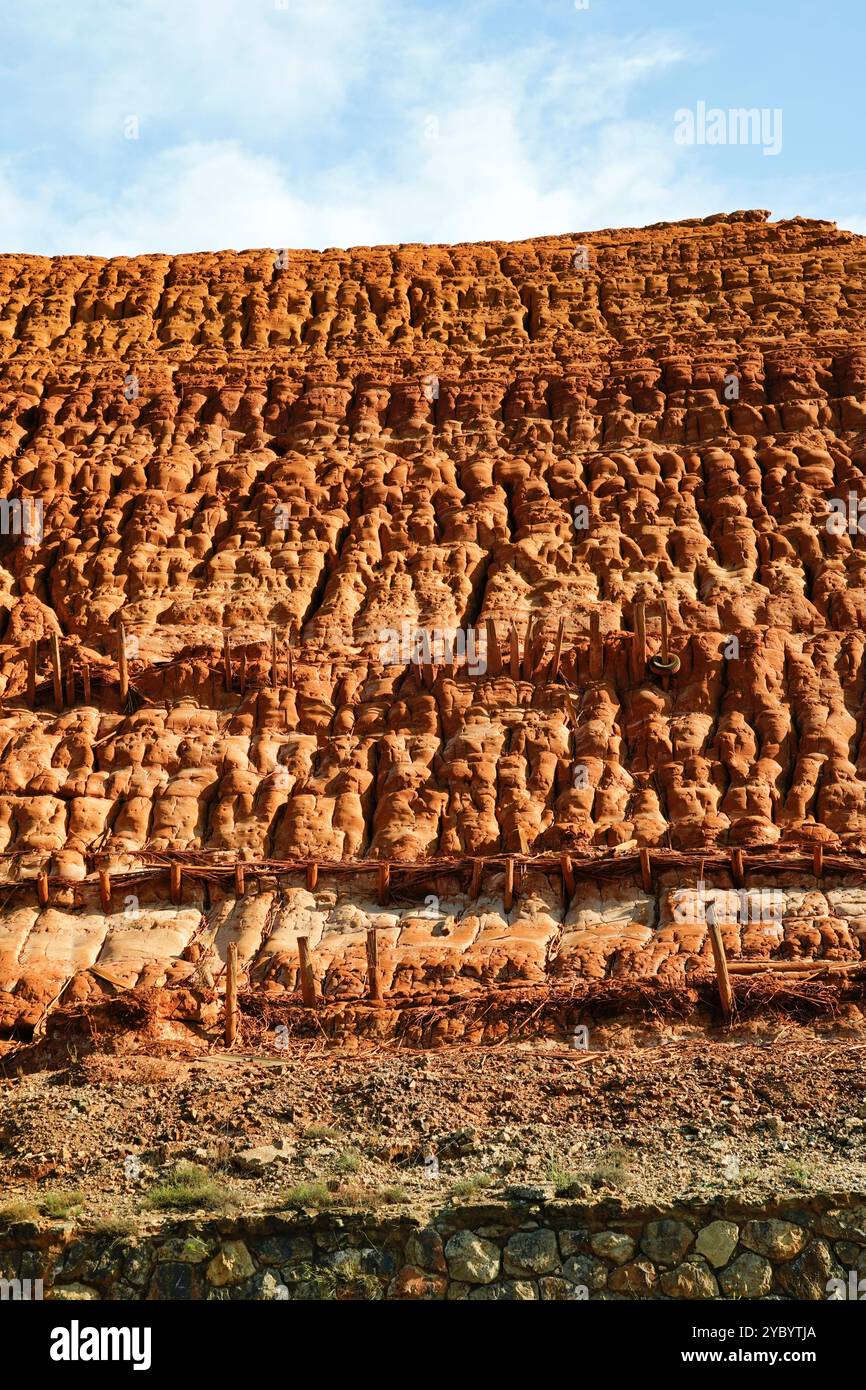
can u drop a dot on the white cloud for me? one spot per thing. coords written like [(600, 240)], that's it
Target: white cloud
[(252, 133), (200, 67)]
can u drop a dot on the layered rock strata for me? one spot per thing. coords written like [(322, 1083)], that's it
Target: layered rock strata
[(396, 538)]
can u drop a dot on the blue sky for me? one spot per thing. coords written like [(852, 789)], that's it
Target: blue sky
[(314, 123)]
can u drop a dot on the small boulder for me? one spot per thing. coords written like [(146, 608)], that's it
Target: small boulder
[(613, 1245), (259, 1160), (717, 1242), (750, 1276), (471, 1259), (692, 1279), (666, 1242), (230, 1265), (531, 1252), (778, 1240)]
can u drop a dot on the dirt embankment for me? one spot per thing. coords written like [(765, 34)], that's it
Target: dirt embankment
[(754, 1114)]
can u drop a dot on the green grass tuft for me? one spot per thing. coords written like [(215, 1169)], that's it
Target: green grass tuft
[(187, 1187), (60, 1204), (307, 1194)]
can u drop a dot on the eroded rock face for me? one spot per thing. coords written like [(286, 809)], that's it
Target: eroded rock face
[(325, 454), (435, 949)]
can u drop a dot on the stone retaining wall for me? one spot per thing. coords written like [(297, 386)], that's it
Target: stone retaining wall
[(523, 1249)]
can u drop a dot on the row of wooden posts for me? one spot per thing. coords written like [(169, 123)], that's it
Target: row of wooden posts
[(530, 662), (527, 663), (383, 876), (64, 682), (309, 989)]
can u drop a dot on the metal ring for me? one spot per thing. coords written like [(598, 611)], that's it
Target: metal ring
[(664, 668)]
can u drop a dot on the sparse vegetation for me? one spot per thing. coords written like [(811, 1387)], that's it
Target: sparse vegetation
[(349, 1161), (322, 1132), (187, 1187), (466, 1187), (346, 1281), (307, 1194), (799, 1174), (12, 1212), (60, 1204), (114, 1226), (392, 1194), (561, 1177), (615, 1168)]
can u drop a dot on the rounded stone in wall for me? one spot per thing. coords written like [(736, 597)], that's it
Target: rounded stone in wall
[(692, 1279), (666, 1242), (717, 1242), (471, 1259), (750, 1276), (531, 1252)]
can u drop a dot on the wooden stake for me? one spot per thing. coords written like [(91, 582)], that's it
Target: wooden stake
[(384, 875), (308, 979), (475, 885), (567, 877), (32, 660), (596, 646), (55, 670), (557, 650), (374, 980), (312, 877), (509, 885), (70, 682), (105, 889), (240, 887), (274, 674), (514, 644), (638, 647), (646, 872), (176, 882), (818, 860), (527, 649), (244, 672), (42, 889), (231, 1022), (494, 655), (665, 651), (737, 866), (227, 660), (85, 680), (721, 962), (122, 666)]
